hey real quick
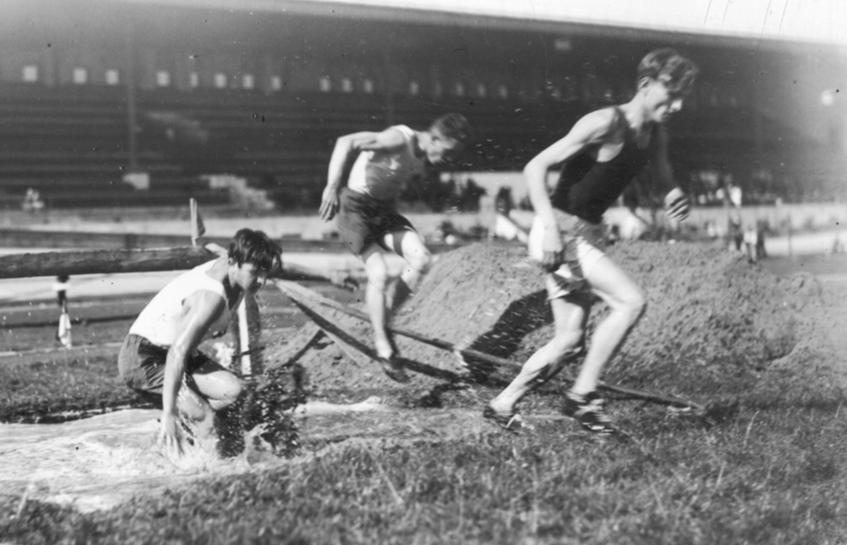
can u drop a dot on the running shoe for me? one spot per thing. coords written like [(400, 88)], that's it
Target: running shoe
[(509, 422), (394, 369), (589, 411)]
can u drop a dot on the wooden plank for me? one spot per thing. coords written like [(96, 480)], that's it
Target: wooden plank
[(28, 238), (303, 293), (101, 261), (123, 261), (358, 350)]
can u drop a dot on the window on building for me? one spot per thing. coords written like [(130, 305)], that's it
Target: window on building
[(437, 89), (368, 86), (347, 85), (163, 78), (220, 80), (481, 90), (503, 91), (459, 89), (414, 88), (112, 76), (276, 83), (325, 84), (248, 81), (193, 80), (29, 74), (79, 76)]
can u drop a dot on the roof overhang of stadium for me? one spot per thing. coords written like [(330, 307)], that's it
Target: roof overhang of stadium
[(765, 23)]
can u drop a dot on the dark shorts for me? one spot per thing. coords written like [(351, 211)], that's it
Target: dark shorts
[(141, 364), (363, 221)]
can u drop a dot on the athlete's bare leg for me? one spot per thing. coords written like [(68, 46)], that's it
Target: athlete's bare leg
[(569, 318), (627, 304), (377, 273), (219, 386), (418, 260)]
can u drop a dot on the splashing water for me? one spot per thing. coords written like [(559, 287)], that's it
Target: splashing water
[(101, 461), (97, 462)]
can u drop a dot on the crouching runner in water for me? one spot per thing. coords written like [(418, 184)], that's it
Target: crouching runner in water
[(602, 153), (159, 357), (368, 221)]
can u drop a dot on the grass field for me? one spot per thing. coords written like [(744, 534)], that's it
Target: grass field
[(772, 473), (770, 476)]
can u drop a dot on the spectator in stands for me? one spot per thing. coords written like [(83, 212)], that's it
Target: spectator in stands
[(602, 153), (159, 357), (505, 227), (368, 221), (32, 202), (750, 236)]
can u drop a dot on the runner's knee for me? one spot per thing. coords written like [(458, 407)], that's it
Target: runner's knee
[(420, 261), (633, 305), (227, 391), (568, 343)]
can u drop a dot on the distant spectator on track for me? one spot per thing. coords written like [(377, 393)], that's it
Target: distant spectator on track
[(368, 221), (159, 357), (602, 154), (63, 331)]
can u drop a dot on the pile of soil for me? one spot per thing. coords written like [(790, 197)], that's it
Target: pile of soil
[(714, 325)]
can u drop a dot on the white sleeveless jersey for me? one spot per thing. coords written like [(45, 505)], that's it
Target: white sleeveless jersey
[(382, 174), (161, 318)]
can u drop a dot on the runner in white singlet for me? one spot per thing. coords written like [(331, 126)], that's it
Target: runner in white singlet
[(160, 355), (368, 221)]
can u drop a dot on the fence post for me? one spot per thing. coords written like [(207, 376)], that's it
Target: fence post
[(248, 336)]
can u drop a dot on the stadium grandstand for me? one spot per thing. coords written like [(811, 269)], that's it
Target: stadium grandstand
[(131, 103)]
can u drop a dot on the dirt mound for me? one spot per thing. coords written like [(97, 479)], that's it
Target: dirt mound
[(714, 325)]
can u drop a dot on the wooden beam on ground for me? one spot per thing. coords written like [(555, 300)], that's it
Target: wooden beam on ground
[(123, 261), (355, 348)]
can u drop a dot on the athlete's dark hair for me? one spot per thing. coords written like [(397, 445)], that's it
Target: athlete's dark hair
[(669, 67), (249, 246), (454, 126)]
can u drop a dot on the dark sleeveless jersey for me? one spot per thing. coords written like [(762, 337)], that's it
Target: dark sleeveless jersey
[(587, 187)]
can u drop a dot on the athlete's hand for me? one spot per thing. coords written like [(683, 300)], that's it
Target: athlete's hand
[(170, 436), (329, 203), (677, 204), (553, 251)]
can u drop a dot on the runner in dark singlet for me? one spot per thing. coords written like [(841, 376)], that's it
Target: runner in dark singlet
[(601, 154)]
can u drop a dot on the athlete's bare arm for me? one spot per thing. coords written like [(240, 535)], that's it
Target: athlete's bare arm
[(201, 310), (346, 147), (591, 129)]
